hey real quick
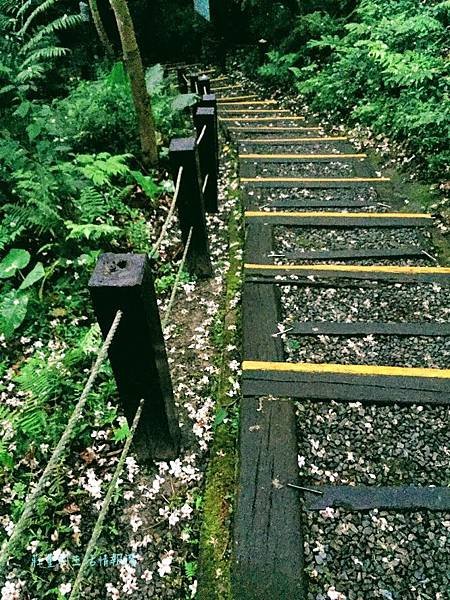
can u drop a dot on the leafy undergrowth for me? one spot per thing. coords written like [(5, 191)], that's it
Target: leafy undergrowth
[(149, 545), (384, 66)]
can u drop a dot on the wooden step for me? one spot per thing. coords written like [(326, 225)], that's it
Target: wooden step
[(341, 219), (357, 254), (312, 182), (290, 158), (363, 329), (347, 383), (280, 274), (364, 498)]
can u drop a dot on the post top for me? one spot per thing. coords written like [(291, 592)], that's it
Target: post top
[(118, 270), (182, 144)]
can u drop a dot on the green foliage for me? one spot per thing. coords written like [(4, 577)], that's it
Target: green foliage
[(277, 71), (14, 302), (29, 46), (388, 68), (167, 104), (15, 260)]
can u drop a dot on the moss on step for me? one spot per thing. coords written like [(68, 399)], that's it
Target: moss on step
[(215, 537)]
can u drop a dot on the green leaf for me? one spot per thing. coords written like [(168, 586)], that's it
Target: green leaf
[(148, 185), (121, 433), (182, 101), (13, 310), (154, 77), (34, 275), (118, 75), (220, 417), (90, 231), (15, 260), (34, 129), (23, 109)]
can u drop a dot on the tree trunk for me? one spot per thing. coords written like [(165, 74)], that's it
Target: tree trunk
[(133, 62), (96, 17)]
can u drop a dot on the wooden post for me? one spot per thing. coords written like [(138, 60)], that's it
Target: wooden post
[(207, 151), (182, 81), (193, 83), (137, 354), (210, 101), (204, 85), (262, 50), (190, 204)]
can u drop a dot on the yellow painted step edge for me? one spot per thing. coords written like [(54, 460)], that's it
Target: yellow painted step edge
[(230, 101), (301, 156), (364, 370), (354, 269), (252, 111), (238, 128), (338, 215), (226, 87)]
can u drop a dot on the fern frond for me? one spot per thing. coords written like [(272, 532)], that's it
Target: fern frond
[(37, 11), (6, 414), (64, 22), (91, 205), (32, 419), (24, 8), (47, 53), (30, 73)]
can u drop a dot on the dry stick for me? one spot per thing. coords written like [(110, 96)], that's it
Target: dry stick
[(155, 248), (20, 526), (305, 489), (177, 281), (106, 502)]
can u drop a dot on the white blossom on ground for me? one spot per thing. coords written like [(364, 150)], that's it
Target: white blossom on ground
[(164, 564)]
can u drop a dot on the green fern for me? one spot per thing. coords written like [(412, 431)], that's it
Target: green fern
[(64, 22), (41, 8), (91, 205), (32, 47)]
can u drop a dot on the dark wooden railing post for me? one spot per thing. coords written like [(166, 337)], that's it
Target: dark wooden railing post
[(190, 205), (205, 125), (262, 50), (210, 101), (137, 354), (204, 85), (182, 81), (193, 83)]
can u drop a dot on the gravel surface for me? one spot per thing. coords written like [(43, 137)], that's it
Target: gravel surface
[(308, 148), (352, 444), (264, 197), (242, 121), (370, 350), (378, 555), (380, 301), (305, 169), (288, 239), (363, 194)]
